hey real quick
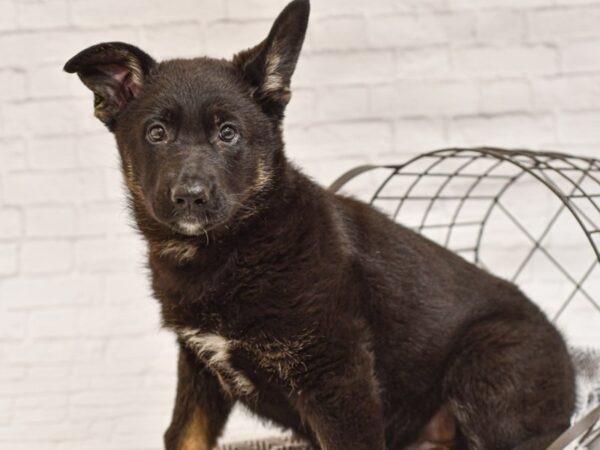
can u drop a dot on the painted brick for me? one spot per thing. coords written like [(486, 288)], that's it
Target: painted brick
[(485, 4), (302, 106), (53, 152), (560, 23), (47, 80), (321, 168), (106, 256), (512, 130), (253, 9), (141, 347), (115, 188), (342, 68), (501, 25), (54, 323), (9, 259), (117, 319), (42, 409), (224, 39), (580, 56), (408, 30), (13, 85), (49, 116), (340, 139), (55, 46), (577, 2), (567, 92), (50, 221), (54, 352), (423, 62), (408, 6), (13, 325), (124, 289), (166, 42), (46, 257), (415, 98), (11, 223), (345, 7), (13, 152), (342, 103), (28, 292), (340, 33), (14, 445), (58, 187), (97, 150), (486, 60), (8, 18), (109, 218), (580, 126), (5, 411), (419, 135), (506, 95), (43, 14), (115, 12)]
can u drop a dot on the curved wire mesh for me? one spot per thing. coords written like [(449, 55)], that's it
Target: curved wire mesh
[(531, 217)]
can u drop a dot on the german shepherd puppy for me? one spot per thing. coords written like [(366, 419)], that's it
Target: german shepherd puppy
[(313, 309)]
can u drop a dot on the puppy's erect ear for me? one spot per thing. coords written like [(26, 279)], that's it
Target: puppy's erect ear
[(269, 66), (115, 73)]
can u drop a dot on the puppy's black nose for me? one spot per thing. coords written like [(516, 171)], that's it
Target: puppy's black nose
[(189, 196)]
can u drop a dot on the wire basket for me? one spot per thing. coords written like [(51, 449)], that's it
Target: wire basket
[(530, 217)]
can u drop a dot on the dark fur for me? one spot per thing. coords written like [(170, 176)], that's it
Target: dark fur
[(353, 330)]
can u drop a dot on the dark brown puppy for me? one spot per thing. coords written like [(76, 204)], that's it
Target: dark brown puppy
[(314, 310)]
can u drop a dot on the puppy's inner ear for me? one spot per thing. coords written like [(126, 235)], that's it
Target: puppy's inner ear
[(115, 73), (112, 83), (269, 66)]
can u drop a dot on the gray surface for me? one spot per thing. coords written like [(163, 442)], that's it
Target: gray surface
[(268, 444)]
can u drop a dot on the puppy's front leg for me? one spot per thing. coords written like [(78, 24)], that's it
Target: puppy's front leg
[(344, 411), (201, 408)]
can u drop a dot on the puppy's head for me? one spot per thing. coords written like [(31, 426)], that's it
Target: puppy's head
[(199, 138)]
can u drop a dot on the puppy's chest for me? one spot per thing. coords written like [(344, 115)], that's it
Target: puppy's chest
[(244, 366)]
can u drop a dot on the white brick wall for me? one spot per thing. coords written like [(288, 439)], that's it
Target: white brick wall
[(83, 362)]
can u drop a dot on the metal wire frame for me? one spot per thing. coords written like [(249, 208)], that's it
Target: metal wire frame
[(562, 174)]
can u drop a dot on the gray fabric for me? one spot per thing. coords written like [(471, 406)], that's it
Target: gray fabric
[(586, 420), (587, 365), (283, 443)]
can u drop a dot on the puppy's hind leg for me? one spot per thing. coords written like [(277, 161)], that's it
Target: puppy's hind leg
[(509, 384)]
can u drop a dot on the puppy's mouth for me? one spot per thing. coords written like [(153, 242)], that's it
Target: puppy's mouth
[(193, 223), (190, 226), (199, 224)]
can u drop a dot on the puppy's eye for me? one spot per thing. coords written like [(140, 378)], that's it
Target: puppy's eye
[(227, 133), (156, 134)]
